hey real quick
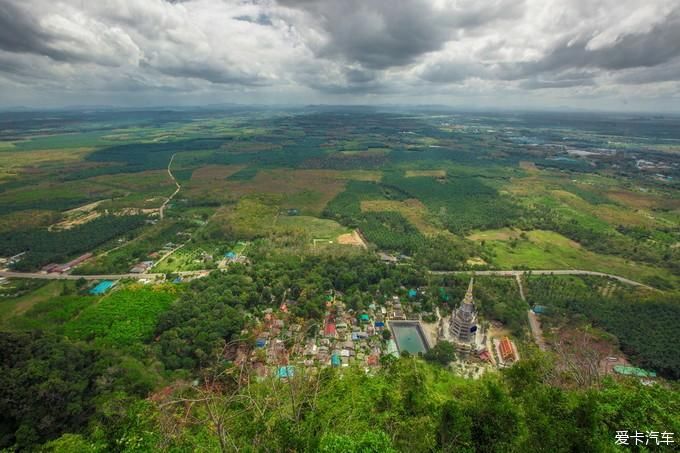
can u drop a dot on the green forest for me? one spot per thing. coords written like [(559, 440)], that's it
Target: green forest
[(646, 325), (43, 247), (144, 369)]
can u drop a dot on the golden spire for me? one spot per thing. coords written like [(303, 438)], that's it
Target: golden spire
[(468, 295)]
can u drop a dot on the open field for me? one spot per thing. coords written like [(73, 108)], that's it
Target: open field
[(314, 227), (28, 219), (250, 217), (430, 173), (412, 209), (550, 250), (212, 173), (11, 306), (14, 163)]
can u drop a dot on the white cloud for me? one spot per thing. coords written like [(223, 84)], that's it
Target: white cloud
[(311, 51)]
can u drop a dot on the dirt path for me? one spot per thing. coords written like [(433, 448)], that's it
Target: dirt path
[(536, 330), (521, 288), (165, 203)]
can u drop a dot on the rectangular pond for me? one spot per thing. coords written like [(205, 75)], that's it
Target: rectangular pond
[(409, 336), (102, 287)]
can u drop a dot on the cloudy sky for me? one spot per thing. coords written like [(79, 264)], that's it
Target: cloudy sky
[(593, 54)]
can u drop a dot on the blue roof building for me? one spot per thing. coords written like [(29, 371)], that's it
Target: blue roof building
[(412, 293), (335, 360), (285, 372)]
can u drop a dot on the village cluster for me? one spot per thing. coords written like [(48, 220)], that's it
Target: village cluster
[(284, 343)]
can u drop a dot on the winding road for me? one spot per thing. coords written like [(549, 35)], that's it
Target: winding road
[(165, 203)]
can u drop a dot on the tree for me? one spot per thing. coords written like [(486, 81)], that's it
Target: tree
[(442, 353)]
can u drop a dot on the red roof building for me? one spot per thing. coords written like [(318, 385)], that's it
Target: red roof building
[(507, 353), (330, 331)]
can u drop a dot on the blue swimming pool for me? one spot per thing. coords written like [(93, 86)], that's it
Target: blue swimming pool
[(409, 337), (102, 287)]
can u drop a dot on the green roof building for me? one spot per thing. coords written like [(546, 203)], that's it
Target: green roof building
[(633, 371)]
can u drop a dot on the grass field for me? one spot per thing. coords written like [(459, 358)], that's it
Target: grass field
[(51, 314), (252, 216), (13, 306), (314, 227), (550, 250), (431, 173)]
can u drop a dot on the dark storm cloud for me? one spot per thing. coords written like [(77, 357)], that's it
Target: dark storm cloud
[(663, 73), (634, 50), (452, 71), (22, 32), (341, 80), (387, 33), (208, 72), (19, 31)]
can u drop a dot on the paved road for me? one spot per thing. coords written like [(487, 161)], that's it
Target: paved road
[(207, 271), (546, 272), (40, 275)]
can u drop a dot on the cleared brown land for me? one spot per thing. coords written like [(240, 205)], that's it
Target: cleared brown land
[(431, 173), (634, 199), (412, 209), (352, 238), (75, 220), (503, 234), (528, 166), (22, 158), (307, 190)]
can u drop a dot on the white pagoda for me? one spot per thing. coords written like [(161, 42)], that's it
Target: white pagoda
[(463, 326)]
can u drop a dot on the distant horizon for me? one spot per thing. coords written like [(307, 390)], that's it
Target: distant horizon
[(377, 106)]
